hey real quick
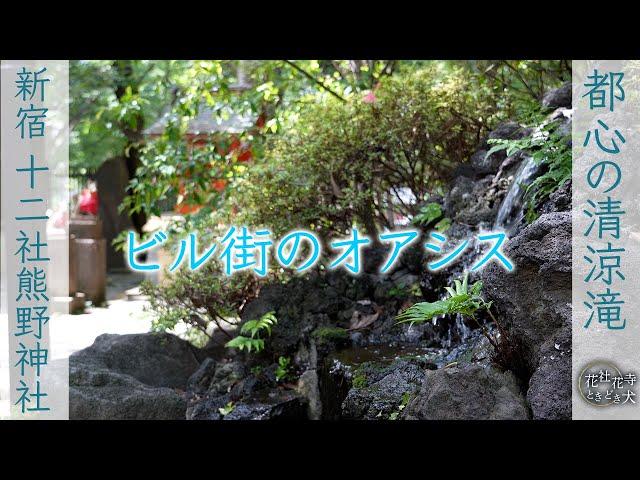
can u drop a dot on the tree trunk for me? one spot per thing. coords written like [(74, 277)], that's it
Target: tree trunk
[(132, 132)]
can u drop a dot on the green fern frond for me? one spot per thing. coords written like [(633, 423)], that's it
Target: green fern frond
[(227, 409), (458, 287), (463, 300), (254, 327), (250, 344), (423, 311)]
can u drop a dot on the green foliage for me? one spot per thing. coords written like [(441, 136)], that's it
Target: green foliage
[(283, 370), (429, 213), (359, 381), (549, 148), (264, 323), (398, 291), (246, 343), (112, 101), (556, 155), (518, 85), (467, 301), (200, 298), (254, 328), (406, 396), (443, 225), (425, 116), (227, 409), (342, 163), (271, 91), (462, 300), (329, 334)]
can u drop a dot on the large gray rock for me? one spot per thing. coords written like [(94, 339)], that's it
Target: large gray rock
[(509, 131), (281, 405), (483, 163), (97, 393), (139, 376), (309, 388), (560, 97), (157, 359), (274, 405), (378, 392), (470, 202), (227, 390), (550, 400), (558, 201), (533, 303), (301, 306), (470, 392)]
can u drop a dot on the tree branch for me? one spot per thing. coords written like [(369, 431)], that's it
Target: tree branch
[(315, 80)]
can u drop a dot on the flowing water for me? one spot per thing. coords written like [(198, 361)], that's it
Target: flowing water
[(511, 210), (458, 335)]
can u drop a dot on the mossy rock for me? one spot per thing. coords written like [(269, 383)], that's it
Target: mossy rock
[(381, 392), (359, 381), (367, 373), (325, 335)]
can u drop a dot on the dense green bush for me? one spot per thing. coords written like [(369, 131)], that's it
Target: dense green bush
[(348, 162)]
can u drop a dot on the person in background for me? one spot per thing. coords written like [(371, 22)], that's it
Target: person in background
[(88, 200)]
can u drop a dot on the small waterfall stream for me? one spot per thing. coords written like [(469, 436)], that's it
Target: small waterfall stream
[(511, 210), (455, 335), (509, 216)]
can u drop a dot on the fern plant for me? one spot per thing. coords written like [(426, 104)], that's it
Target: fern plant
[(255, 329), (464, 300), (227, 409)]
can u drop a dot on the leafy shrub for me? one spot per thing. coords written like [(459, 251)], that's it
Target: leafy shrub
[(346, 162), (200, 298), (428, 214)]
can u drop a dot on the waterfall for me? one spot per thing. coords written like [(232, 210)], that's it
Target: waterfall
[(462, 327), (511, 210)]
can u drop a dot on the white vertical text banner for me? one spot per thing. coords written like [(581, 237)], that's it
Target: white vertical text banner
[(34, 373), (606, 239)]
